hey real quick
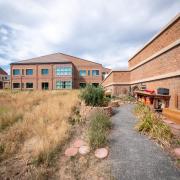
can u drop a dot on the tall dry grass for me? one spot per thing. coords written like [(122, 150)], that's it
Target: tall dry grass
[(42, 126), (151, 124)]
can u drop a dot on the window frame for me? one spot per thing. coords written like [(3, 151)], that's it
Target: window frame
[(44, 73), (30, 87), (29, 74), (81, 71), (63, 84), (16, 87), (64, 71), (18, 71), (96, 70)]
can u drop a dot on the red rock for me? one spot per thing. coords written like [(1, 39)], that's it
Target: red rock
[(177, 152), (71, 151), (84, 150), (101, 153), (78, 143)]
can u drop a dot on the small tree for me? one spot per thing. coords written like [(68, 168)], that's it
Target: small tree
[(93, 96)]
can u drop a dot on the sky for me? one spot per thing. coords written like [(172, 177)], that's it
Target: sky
[(104, 31)]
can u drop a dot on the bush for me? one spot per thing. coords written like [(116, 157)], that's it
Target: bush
[(94, 96), (149, 123), (99, 126)]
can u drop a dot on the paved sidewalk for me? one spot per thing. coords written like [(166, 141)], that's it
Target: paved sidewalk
[(134, 156)]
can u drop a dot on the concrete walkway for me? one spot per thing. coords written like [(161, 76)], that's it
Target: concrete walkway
[(134, 156)]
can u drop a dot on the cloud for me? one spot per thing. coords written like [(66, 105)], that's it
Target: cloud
[(108, 32)]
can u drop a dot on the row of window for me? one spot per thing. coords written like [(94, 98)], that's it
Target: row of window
[(88, 72), (29, 85), (3, 78), (45, 85), (60, 71)]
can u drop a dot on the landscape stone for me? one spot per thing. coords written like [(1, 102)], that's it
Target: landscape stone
[(84, 150), (78, 143), (101, 153), (72, 151), (177, 152)]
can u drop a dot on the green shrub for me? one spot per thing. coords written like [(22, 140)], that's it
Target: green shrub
[(93, 96), (149, 123), (99, 126)]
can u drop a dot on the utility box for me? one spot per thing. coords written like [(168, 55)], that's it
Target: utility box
[(163, 91)]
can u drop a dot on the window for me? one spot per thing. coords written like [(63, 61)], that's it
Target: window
[(45, 85), (44, 71), (16, 72), (63, 85), (95, 84), (82, 72), (95, 72), (16, 85), (29, 71), (61, 71), (89, 72), (29, 85), (82, 85)]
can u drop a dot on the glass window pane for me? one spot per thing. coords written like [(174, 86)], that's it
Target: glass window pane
[(82, 72), (16, 71), (63, 71), (29, 71), (95, 72), (44, 71)]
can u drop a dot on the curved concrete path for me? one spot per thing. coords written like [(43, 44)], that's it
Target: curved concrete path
[(134, 156)]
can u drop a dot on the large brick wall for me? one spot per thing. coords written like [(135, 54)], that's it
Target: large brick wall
[(117, 82), (166, 63), (65, 60), (37, 78), (156, 65), (170, 35)]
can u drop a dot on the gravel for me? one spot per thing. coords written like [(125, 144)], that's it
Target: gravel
[(134, 156)]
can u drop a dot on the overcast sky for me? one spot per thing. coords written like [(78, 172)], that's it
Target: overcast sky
[(105, 31)]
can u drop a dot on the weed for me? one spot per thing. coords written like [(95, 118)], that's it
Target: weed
[(99, 125), (149, 123)]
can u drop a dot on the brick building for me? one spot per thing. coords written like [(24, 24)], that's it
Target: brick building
[(4, 79), (156, 65), (56, 71)]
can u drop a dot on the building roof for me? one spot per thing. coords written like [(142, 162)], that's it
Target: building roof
[(52, 58), (157, 35), (2, 72)]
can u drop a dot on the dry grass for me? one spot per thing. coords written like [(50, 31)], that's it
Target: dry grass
[(34, 123), (151, 124)]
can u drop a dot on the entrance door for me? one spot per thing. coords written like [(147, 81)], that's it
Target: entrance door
[(1, 85), (45, 85)]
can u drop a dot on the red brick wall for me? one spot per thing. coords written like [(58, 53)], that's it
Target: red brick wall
[(117, 77), (37, 78), (169, 62)]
